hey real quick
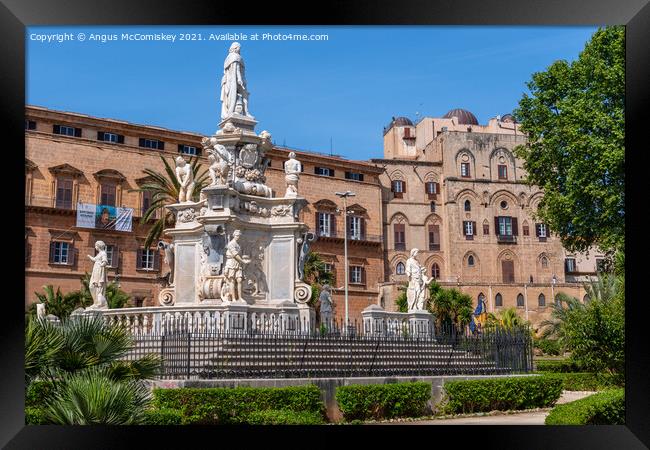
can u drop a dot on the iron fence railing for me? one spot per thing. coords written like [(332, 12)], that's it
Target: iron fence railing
[(336, 351)]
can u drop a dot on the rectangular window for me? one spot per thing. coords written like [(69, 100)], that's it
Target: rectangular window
[(407, 133), (111, 254), (30, 125), (64, 193), (107, 196), (505, 226), (464, 170), (503, 171), (526, 230), (541, 230), (486, 229), (431, 187), (398, 187), (146, 259), (434, 238), (110, 137), (66, 130), (324, 224), (187, 149), (328, 267), (356, 274), (468, 226), (570, 265), (325, 171), (354, 231), (354, 176), (146, 201), (400, 236), (152, 143), (60, 253), (432, 207)]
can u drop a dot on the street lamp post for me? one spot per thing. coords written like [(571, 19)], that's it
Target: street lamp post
[(553, 281), (344, 196)]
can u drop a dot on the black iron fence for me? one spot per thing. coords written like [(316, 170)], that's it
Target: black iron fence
[(336, 351)]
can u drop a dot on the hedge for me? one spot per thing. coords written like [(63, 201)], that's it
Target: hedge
[(557, 366), (603, 408), (586, 381), (284, 417), (501, 394), (548, 346), (37, 393), (377, 401), (234, 405), (163, 416), (34, 416)]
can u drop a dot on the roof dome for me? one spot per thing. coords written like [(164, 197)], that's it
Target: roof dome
[(398, 122), (507, 118), (464, 116)]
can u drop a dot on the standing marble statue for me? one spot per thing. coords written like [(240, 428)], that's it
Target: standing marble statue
[(292, 169), (99, 276), (233, 272), (219, 164), (168, 251), (234, 95), (325, 305), (185, 178), (305, 243), (418, 281)]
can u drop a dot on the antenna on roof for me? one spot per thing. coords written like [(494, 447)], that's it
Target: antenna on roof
[(331, 146)]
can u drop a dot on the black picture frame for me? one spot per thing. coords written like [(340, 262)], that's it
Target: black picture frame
[(16, 14)]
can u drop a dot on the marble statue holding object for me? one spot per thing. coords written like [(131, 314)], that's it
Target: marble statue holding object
[(234, 95), (305, 243), (168, 251), (233, 271), (325, 299), (185, 178), (292, 169), (418, 281), (99, 276)]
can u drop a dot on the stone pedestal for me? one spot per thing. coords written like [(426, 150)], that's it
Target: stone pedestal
[(377, 321)]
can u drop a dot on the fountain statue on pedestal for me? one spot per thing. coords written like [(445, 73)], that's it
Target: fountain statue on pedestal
[(418, 282), (185, 178), (234, 95), (99, 276)]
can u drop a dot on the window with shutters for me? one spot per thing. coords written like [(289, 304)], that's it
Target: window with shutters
[(354, 176), (400, 269), (570, 265), (505, 226), (152, 143), (110, 137), (407, 133), (187, 149), (325, 171), (147, 259), (112, 255), (508, 271), (541, 232), (503, 172), (468, 205), (147, 197), (435, 271), (468, 229), (108, 193), (434, 238), (61, 252), (355, 227), (64, 192), (498, 300), (398, 188), (67, 130), (541, 300), (399, 232), (464, 170), (30, 125), (356, 274), (432, 189), (325, 227), (520, 301)]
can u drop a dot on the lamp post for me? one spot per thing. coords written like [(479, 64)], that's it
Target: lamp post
[(344, 196), (553, 281)]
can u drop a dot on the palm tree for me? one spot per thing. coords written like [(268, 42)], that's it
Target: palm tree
[(451, 307), (509, 319), (59, 304), (164, 188), (115, 297), (562, 307)]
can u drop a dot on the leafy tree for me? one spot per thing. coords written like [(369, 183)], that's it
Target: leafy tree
[(115, 297), (317, 277), (509, 319), (59, 304), (562, 308), (574, 119), (164, 188)]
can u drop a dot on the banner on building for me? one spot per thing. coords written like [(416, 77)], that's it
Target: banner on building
[(104, 217)]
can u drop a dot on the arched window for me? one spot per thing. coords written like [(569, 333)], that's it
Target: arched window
[(400, 269), (544, 262), (520, 301), (541, 300), (470, 261), (468, 205), (498, 300), (435, 271)]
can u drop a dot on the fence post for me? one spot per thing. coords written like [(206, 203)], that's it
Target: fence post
[(162, 356), (188, 355)]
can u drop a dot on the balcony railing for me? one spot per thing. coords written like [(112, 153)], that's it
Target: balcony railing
[(400, 246), (434, 247), (351, 237), (507, 238)]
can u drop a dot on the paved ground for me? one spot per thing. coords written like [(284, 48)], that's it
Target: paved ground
[(523, 418)]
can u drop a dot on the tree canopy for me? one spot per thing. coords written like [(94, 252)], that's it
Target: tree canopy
[(575, 121)]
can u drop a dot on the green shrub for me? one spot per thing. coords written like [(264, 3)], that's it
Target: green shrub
[(234, 405), (501, 394), (283, 417), (548, 346), (604, 408), (34, 416), (586, 381), (557, 366), (163, 416), (378, 401), (38, 393)]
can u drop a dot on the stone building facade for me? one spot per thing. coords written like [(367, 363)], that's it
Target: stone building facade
[(455, 190), (448, 186), (72, 158)]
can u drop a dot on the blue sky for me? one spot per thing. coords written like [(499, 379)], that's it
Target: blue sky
[(306, 93)]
